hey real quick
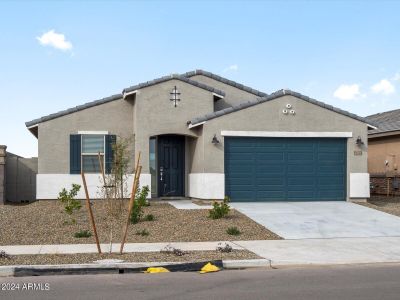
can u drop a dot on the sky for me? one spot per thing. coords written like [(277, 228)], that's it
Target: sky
[(58, 54)]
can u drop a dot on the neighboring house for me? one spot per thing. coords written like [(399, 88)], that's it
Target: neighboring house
[(203, 136), (384, 151)]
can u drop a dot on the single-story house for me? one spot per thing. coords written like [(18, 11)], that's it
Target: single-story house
[(384, 151), (203, 136)]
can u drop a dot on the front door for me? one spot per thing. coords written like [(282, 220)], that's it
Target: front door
[(171, 158)]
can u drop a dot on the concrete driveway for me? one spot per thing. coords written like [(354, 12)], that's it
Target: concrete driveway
[(316, 220)]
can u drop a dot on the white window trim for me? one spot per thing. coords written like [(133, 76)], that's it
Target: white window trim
[(92, 154), (93, 132), (299, 134)]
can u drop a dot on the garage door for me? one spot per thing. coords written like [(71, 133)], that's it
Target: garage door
[(280, 169)]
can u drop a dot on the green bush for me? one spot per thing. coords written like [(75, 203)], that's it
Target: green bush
[(143, 232), (219, 210), (136, 213), (83, 234), (68, 199), (233, 231), (140, 201), (149, 217)]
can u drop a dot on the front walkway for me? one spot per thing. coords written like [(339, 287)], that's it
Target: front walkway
[(319, 220)]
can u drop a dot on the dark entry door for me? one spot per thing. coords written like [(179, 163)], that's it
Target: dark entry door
[(171, 165)]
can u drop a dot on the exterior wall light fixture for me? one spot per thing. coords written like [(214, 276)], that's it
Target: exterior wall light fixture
[(215, 140)]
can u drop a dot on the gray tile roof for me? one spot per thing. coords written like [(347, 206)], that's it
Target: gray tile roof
[(386, 121), (270, 97), (226, 81), (73, 109), (176, 77), (119, 96)]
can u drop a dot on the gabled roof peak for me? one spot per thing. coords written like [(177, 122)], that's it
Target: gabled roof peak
[(225, 80), (275, 95)]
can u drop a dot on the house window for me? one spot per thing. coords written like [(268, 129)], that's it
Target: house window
[(92, 145)]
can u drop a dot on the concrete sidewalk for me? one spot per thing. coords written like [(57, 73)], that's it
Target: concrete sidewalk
[(278, 252), (327, 251), (128, 248)]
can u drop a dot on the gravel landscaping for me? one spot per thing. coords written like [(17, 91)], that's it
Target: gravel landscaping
[(390, 205), (45, 222), (192, 256)]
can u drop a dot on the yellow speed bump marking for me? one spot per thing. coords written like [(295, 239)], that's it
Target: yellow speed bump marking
[(156, 270), (209, 268)]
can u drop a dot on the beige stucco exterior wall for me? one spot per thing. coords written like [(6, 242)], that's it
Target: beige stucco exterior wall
[(381, 149), (233, 95), (116, 117), (155, 114), (268, 117)]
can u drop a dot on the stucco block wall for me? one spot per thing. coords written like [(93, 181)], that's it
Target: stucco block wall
[(116, 117), (21, 178), (2, 174), (155, 114), (268, 117), (233, 95), (381, 150)]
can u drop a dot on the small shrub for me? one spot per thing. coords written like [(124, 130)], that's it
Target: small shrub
[(224, 249), (3, 254), (219, 210), (83, 234), (141, 196), (149, 217), (140, 201), (233, 231), (136, 214), (68, 199), (143, 232), (172, 250)]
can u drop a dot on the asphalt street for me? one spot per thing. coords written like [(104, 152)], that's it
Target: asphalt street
[(335, 282)]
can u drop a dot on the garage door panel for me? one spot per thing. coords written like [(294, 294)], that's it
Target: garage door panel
[(268, 169), (300, 156), (269, 181), (270, 156), (301, 195), (241, 180), (300, 169), (270, 195), (303, 180), (330, 156)]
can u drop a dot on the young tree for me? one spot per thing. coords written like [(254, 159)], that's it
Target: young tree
[(115, 186)]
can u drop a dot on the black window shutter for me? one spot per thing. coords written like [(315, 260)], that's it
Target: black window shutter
[(75, 153), (111, 139)]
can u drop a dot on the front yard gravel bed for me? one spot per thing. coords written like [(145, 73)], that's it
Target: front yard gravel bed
[(45, 222), (192, 256), (390, 205)]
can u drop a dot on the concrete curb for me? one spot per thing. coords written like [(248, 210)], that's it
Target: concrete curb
[(247, 263), (95, 268)]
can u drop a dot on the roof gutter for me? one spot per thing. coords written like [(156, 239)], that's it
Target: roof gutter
[(190, 126)]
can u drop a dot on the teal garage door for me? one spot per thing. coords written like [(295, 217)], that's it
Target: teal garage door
[(285, 169)]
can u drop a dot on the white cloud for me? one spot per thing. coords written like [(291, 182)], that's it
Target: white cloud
[(55, 40), (231, 68), (396, 77), (383, 87), (347, 92)]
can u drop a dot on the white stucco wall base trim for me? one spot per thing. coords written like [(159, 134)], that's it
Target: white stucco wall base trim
[(359, 185), (294, 134), (207, 185), (48, 186)]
